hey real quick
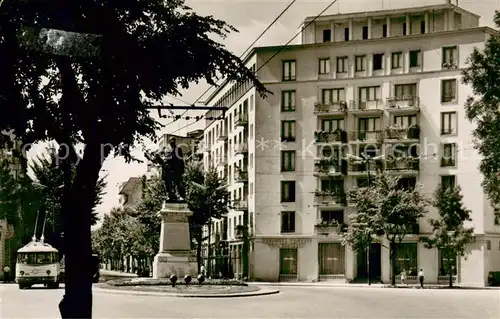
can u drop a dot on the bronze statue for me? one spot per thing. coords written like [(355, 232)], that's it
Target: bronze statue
[(172, 170)]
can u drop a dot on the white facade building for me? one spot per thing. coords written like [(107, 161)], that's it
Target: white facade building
[(383, 83)]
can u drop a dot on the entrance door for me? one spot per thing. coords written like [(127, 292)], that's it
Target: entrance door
[(375, 262), (331, 259)]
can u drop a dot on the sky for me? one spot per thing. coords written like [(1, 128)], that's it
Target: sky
[(251, 18)]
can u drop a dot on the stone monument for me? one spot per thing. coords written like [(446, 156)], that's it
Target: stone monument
[(174, 257)]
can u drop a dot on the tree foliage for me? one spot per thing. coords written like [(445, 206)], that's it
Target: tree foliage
[(384, 209), (483, 109), (450, 233), (145, 50)]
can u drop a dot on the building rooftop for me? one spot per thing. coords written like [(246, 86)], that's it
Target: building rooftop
[(128, 186)]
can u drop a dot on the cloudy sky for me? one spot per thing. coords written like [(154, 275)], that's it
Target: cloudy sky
[(251, 18)]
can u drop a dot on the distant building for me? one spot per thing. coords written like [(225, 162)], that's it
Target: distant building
[(373, 82), (131, 192)]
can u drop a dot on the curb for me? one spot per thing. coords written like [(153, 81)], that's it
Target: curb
[(262, 292), (365, 286)]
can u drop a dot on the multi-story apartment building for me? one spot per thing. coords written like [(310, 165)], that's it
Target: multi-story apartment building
[(384, 83)]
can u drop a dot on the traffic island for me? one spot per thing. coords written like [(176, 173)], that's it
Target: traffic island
[(165, 287)]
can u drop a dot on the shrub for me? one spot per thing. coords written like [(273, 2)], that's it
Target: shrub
[(494, 278), (167, 282)]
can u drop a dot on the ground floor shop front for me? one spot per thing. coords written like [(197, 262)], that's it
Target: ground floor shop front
[(316, 259)]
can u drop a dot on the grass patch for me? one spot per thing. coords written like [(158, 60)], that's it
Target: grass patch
[(203, 289), (132, 282)]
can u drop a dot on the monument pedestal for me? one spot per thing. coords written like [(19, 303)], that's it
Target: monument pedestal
[(174, 257)]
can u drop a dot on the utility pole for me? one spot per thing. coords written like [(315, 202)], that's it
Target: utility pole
[(367, 159)]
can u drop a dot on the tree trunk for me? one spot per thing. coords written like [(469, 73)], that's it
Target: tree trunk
[(199, 241), (77, 208), (450, 270), (393, 263)]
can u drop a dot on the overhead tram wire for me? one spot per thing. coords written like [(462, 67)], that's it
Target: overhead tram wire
[(244, 52), (277, 52)]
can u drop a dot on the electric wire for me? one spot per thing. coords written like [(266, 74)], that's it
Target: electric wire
[(244, 52), (277, 52)]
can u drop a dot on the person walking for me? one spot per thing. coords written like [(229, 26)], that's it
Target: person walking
[(6, 274), (403, 276), (421, 277)]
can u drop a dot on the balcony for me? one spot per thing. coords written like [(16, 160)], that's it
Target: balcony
[(241, 176), (331, 227), (222, 136), (402, 165), (329, 198), (332, 108), (396, 133), (326, 166), (375, 107), (241, 120), (288, 138), (240, 204), (447, 162), (241, 148), (222, 161), (361, 167), (366, 137), (406, 104), (329, 137)]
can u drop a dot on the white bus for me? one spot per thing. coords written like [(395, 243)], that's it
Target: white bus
[(37, 263)]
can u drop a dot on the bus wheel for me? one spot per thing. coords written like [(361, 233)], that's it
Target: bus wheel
[(54, 285), (22, 286)]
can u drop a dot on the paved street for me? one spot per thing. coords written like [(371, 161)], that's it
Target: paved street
[(292, 302)]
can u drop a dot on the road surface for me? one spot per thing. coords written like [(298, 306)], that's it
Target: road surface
[(292, 302)]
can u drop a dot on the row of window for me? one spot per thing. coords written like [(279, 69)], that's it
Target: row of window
[(449, 60)]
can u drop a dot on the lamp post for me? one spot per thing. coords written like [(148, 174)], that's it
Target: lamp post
[(209, 201)]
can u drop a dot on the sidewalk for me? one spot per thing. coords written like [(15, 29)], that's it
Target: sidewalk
[(325, 284)]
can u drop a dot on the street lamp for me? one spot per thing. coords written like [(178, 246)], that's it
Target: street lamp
[(209, 218)]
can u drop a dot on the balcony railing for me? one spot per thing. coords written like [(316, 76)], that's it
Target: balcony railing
[(241, 176), (402, 133), (365, 106), (402, 164), (329, 197), (222, 161), (222, 135), (364, 136), (328, 165), (330, 108), (288, 138), (241, 148), (403, 102), (329, 228), (338, 136), (241, 120), (447, 162), (240, 204), (362, 167)]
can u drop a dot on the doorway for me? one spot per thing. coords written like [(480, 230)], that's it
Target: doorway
[(375, 263)]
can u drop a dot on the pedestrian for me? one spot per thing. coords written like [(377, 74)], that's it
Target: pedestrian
[(421, 277), (202, 270), (6, 274), (403, 276)]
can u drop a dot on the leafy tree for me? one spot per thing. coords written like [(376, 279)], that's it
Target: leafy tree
[(451, 236), (48, 178), (143, 51), (482, 74), (384, 209), (206, 197)]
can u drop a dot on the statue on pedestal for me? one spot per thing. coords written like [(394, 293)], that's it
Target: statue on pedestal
[(172, 166)]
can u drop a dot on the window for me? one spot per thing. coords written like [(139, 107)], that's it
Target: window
[(287, 191), (447, 259), (288, 131), (397, 60), (288, 101), (289, 70), (346, 34), (360, 64), (378, 61), (488, 244), (287, 161), (405, 91), (288, 261), (287, 222), (448, 90), (370, 93), (448, 181), (365, 32), (415, 58), (332, 125), (324, 66), (448, 155), (448, 123), (406, 259), (384, 31), (342, 64), (405, 120), (450, 56), (362, 182), (422, 27), (404, 28), (332, 215), (334, 186), (496, 213), (407, 183), (331, 96), (371, 124), (327, 35)]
